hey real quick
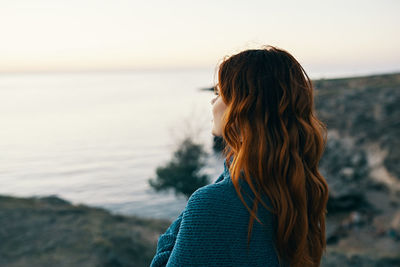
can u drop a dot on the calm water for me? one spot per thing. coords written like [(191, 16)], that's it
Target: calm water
[(96, 138)]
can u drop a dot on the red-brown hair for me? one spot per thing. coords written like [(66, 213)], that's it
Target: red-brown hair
[(273, 136)]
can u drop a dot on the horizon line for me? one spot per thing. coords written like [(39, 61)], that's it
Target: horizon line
[(100, 70), (320, 76)]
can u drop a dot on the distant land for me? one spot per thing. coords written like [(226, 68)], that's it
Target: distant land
[(360, 163)]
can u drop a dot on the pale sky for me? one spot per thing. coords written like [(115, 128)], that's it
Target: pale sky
[(343, 36)]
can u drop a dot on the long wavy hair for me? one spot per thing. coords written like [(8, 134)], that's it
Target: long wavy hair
[(274, 138)]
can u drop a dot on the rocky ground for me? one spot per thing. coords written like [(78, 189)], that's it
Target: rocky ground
[(52, 232)]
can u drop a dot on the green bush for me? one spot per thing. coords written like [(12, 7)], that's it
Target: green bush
[(182, 173)]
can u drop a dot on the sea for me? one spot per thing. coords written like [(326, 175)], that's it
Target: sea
[(96, 138)]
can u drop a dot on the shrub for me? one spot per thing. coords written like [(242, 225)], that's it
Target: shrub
[(182, 173)]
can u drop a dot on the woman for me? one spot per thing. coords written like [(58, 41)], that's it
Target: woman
[(268, 207)]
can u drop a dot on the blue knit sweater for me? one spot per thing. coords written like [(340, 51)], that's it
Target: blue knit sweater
[(212, 230)]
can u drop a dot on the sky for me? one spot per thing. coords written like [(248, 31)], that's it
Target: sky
[(327, 37)]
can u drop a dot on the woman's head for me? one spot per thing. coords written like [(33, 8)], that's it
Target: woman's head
[(273, 137)]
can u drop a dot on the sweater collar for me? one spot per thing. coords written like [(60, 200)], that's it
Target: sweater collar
[(227, 175), (226, 170), (243, 184)]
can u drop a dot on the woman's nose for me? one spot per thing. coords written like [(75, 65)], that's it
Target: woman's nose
[(213, 100)]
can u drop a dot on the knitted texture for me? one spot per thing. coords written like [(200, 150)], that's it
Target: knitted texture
[(212, 230)]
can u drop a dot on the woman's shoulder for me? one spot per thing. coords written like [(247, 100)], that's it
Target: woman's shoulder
[(212, 196), (219, 192)]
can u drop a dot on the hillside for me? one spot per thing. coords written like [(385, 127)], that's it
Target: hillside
[(360, 163), (366, 111)]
